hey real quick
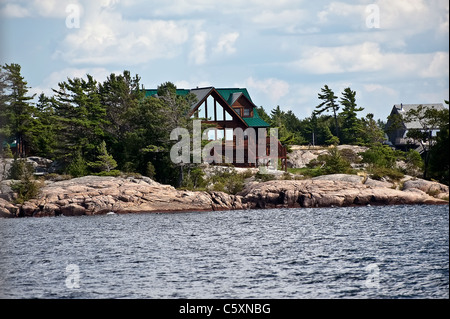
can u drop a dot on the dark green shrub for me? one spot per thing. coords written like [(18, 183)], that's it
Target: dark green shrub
[(378, 173), (334, 162), (19, 169), (113, 172), (78, 166), (26, 187)]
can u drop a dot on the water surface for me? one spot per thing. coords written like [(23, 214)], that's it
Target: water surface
[(364, 252)]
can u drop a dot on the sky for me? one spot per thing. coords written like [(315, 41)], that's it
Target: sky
[(283, 52)]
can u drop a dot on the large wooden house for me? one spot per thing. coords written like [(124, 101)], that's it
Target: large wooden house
[(227, 109)]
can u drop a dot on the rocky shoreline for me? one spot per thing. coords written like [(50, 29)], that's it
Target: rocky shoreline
[(95, 195)]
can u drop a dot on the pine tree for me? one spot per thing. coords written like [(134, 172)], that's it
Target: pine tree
[(80, 118), (352, 126), (328, 105), (18, 110), (104, 162)]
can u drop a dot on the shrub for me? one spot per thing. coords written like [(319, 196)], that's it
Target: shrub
[(380, 155), (19, 169), (78, 167), (7, 153), (350, 156), (378, 173), (114, 173), (150, 170), (26, 187), (264, 177), (334, 162), (193, 178), (227, 180)]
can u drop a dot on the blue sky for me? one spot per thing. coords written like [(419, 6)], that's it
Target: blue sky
[(283, 52)]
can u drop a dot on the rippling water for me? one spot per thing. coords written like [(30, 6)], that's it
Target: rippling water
[(366, 252)]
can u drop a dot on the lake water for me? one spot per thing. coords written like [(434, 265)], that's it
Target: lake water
[(364, 252)]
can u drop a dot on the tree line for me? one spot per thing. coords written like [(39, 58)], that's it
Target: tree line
[(91, 127), (343, 127)]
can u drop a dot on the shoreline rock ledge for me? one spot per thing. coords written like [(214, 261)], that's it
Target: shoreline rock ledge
[(94, 195)]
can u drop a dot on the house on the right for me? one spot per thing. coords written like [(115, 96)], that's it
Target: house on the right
[(398, 126)]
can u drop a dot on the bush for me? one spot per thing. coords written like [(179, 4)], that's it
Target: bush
[(307, 172), (264, 177), (378, 173), (334, 162), (150, 170), (7, 153), (114, 173), (78, 167), (227, 180), (382, 162), (380, 155), (193, 178), (27, 187), (350, 156), (19, 169)]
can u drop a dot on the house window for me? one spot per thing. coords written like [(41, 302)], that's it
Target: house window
[(228, 117), (228, 134), (246, 112), (211, 134)]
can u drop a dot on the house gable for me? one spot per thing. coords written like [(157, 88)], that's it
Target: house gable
[(212, 107), (226, 107)]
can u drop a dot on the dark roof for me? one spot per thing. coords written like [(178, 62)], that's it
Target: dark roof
[(404, 108), (230, 95)]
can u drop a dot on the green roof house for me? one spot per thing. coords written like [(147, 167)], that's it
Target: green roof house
[(227, 109)]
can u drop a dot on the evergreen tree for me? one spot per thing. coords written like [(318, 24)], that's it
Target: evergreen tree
[(263, 114), (80, 118), (351, 126), (104, 162), (121, 95), (5, 129), (18, 110), (371, 133), (44, 129), (328, 105)]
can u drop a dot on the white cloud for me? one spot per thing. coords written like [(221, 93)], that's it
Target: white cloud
[(380, 89), (198, 52), (38, 8), (13, 10), (105, 37), (273, 89), (368, 57), (437, 67), (226, 43), (336, 11), (351, 58), (285, 18)]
